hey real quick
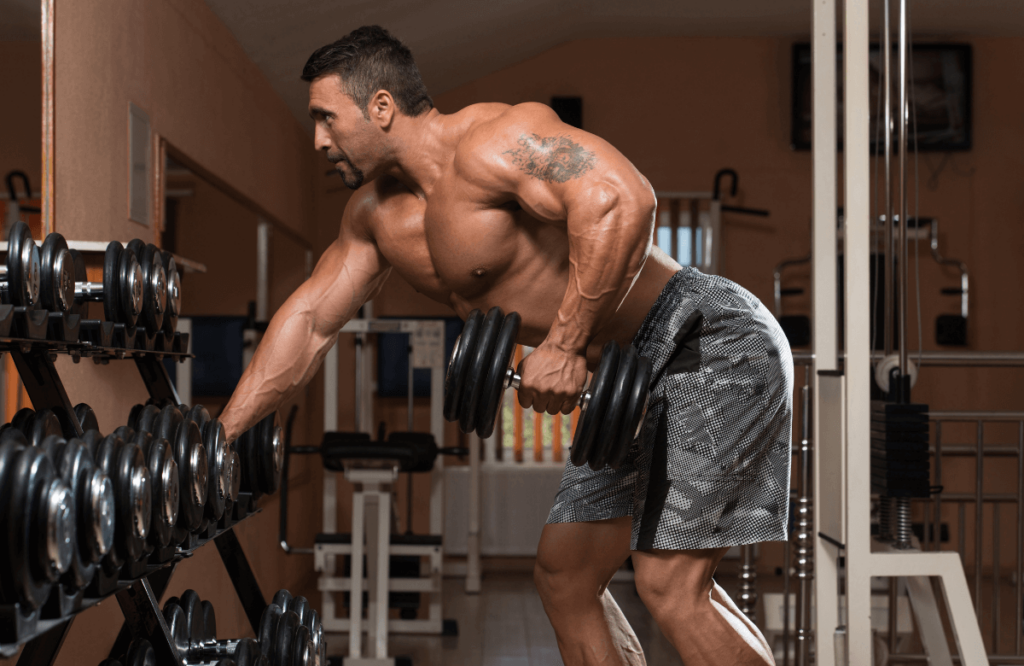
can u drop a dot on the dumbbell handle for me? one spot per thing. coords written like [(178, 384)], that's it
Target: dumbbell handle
[(513, 380), (214, 650), (89, 291)]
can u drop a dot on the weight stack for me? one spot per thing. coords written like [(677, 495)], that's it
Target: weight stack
[(899, 449)]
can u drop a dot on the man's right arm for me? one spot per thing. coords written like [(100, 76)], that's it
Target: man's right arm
[(303, 330)]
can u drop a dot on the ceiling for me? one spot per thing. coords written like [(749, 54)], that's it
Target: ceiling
[(457, 41), (20, 20)]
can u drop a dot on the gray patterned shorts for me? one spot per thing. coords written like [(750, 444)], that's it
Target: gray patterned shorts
[(710, 468)]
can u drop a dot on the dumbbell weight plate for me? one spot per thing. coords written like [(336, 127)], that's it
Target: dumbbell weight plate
[(479, 356), (302, 648), (209, 623), (173, 308), (130, 287), (493, 386), (247, 451), (218, 475), (57, 275), (12, 443), (154, 280), (124, 463), (163, 473), (268, 626), (78, 305), (301, 607), (193, 467), (247, 652), (22, 420), (178, 626), (22, 266), (41, 526), (594, 407), (145, 418), (269, 450), (193, 607), (606, 439), (634, 412), (283, 598), (86, 417), (281, 648), (458, 365), (140, 653), (43, 424)]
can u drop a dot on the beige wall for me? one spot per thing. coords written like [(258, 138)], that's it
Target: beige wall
[(177, 62), (21, 113)]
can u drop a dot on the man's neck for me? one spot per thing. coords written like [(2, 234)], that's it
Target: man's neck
[(420, 151)]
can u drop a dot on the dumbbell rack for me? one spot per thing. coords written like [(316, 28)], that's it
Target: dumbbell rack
[(34, 338)]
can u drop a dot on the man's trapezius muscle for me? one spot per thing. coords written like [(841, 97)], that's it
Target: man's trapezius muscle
[(499, 205)]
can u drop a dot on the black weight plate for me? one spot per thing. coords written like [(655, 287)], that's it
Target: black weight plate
[(140, 653), (44, 424), (268, 626), (216, 457), (633, 414), (283, 598), (301, 654), (105, 453), (12, 442), (280, 654), (138, 515), (177, 623), (86, 417), (493, 387), (591, 415), (209, 623), (30, 565), (23, 420), (79, 306), (173, 308), (250, 474), (247, 652), (130, 285), (93, 507), (605, 440), (269, 450), (301, 607), (166, 487), (193, 607), (458, 365), (479, 356), (111, 264), (193, 474), (146, 419), (57, 275), (23, 266), (133, 416), (154, 293)]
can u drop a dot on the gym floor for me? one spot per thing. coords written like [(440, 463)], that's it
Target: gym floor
[(505, 625)]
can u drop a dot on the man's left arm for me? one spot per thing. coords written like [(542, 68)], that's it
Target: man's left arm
[(565, 175)]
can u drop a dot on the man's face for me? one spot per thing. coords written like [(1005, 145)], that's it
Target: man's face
[(346, 136)]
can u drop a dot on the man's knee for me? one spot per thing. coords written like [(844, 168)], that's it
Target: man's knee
[(674, 587)]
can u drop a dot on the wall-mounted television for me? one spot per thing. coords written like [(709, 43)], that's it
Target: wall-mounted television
[(941, 96)]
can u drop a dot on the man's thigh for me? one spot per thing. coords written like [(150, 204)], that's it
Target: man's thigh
[(593, 550), (685, 575)]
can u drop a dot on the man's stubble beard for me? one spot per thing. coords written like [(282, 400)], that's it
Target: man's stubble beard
[(354, 180)]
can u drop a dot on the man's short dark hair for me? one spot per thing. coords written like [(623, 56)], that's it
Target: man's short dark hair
[(369, 59)]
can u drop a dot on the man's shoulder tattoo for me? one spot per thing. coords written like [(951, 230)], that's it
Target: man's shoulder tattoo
[(553, 159)]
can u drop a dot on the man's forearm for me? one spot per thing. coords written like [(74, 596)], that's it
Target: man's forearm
[(609, 240), (291, 351)]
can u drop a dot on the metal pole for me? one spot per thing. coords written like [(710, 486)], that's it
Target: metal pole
[(890, 239), (804, 532), (903, 245), (263, 231)]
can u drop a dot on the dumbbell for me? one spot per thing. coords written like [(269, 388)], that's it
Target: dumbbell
[(188, 450), (173, 294), (154, 277), (225, 473), (261, 450), (140, 653), (37, 511), (91, 489), (613, 404), (19, 276), (163, 473), (125, 464), (122, 291), (291, 633), (193, 628)]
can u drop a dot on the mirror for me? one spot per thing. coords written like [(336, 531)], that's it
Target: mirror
[(21, 115)]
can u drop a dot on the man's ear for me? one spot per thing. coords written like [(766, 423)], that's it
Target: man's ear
[(382, 109)]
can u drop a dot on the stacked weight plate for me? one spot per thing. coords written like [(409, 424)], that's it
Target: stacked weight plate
[(899, 449)]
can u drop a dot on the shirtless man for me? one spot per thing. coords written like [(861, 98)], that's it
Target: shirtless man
[(506, 205)]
